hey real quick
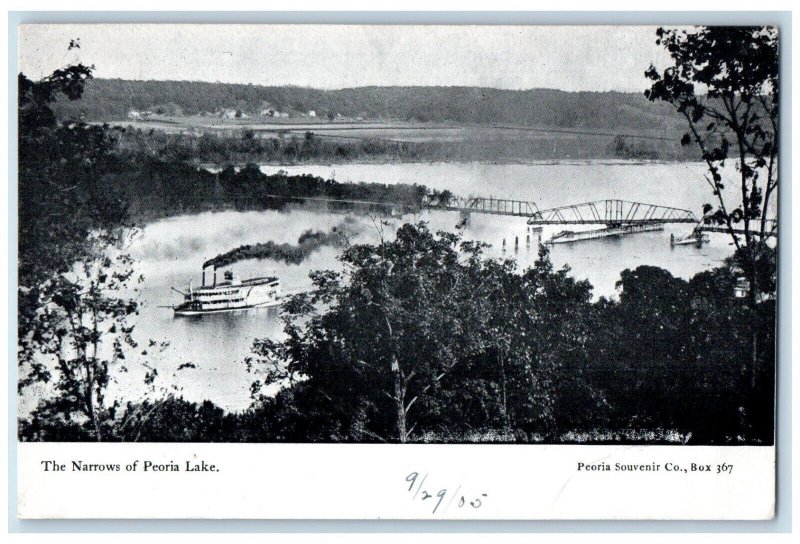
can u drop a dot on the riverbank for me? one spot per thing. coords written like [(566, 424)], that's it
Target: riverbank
[(214, 167)]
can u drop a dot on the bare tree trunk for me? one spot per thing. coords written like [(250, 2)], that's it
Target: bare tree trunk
[(88, 399), (95, 423), (754, 369), (753, 303), (399, 399), (505, 392), (751, 372)]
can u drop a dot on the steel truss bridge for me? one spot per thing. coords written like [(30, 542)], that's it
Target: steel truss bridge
[(492, 206), (620, 217), (612, 213), (600, 212)]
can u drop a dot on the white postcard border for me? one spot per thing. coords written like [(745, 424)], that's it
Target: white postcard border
[(362, 481)]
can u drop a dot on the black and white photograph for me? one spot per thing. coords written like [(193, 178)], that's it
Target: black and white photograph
[(395, 234)]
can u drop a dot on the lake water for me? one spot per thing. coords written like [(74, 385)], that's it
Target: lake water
[(170, 252)]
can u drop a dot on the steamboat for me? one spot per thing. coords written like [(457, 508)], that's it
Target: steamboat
[(229, 295)]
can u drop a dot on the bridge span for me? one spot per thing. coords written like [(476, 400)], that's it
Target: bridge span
[(611, 212), (618, 217), (491, 206), (600, 212)]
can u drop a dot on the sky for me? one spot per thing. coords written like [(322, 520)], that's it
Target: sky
[(570, 58)]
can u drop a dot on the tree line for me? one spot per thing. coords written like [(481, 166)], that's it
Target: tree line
[(242, 145), (246, 146), (107, 99)]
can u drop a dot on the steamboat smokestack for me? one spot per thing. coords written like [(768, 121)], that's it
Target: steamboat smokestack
[(204, 277)]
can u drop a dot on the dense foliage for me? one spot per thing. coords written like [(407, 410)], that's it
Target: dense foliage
[(724, 83), (71, 285), (61, 195), (425, 339), (244, 145)]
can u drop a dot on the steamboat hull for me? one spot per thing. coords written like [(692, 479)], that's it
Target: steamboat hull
[(230, 296), (186, 312)]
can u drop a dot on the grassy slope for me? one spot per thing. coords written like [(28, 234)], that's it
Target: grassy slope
[(112, 99)]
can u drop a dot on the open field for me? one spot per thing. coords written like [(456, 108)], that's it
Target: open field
[(397, 130), (390, 140)]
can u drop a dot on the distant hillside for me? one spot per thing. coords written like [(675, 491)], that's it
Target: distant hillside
[(108, 99)]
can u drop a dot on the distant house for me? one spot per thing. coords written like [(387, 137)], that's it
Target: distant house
[(133, 114), (269, 112), (312, 113), (741, 288), (234, 114)]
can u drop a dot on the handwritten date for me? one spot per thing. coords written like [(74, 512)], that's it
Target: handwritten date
[(419, 491)]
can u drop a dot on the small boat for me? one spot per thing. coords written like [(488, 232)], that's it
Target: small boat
[(695, 238), (229, 295)]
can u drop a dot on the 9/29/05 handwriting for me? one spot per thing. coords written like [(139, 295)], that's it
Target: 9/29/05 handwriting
[(440, 499)]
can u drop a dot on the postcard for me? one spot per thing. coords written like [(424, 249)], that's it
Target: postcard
[(396, 271)]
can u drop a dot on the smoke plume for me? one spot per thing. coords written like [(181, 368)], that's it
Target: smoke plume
[(309, 242)]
